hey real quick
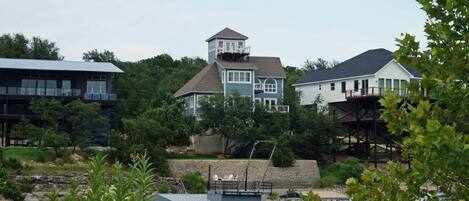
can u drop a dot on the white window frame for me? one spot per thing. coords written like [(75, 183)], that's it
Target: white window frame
[(258, 85), (269, 101), (191, 101), (223, 77), (268, 86), (247, 74)]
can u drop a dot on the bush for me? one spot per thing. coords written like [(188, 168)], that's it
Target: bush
[(283, 157), (327, 181), (351, 168), (8, 189), (163, 188), (194, 183)]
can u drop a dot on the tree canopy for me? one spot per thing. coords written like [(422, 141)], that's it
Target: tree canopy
[(435, 123), (20, 47), (319, 64)]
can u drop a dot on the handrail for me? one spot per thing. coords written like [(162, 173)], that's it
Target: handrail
[(374, 91), (55, 92)]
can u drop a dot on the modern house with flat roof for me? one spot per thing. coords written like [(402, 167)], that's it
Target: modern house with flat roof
[(22, 80), (232, 69)]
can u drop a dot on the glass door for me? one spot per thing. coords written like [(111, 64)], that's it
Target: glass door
[(51, 87), (365, 87)]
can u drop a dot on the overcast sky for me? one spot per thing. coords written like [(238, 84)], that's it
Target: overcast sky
[(292, 30)]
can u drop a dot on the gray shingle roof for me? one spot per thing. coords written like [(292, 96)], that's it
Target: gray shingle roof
[(207, 80), (366, 63), (33, 64), (227, 33), (268, 66), (237, 65)]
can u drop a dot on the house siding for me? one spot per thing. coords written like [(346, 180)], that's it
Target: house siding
[(278, 95)]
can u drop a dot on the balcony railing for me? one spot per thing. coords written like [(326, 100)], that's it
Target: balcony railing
[(242, 50), (55, 92), (373, 91), (24, 91)]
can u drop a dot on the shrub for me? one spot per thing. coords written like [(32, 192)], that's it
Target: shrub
[(194, 183), (163, 188), (351, 168), (8, 189), (327, 181), (283, 157)]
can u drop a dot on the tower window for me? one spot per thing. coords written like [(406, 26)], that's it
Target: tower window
[(220, 44)]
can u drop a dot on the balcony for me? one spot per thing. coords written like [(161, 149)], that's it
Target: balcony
[(239, 50), (54, 92)]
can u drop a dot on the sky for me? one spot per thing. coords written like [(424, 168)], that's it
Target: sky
[(294, 30)]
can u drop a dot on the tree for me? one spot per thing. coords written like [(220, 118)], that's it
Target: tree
[(83, 118), (229, 117), (95, 56), (436, 127), (152, 132), (319, 64), (18, 46)]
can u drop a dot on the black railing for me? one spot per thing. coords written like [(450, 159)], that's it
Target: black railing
[(240, 188)]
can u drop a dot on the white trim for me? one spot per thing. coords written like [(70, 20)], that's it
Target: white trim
[(276, 86), (270, 99), (334, 80), (239, 73), (398, 64), (282, 90)]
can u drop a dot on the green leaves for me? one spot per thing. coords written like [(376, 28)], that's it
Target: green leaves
[(433, 125)]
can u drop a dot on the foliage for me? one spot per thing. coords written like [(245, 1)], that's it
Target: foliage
[(134, 186), (335, 174), (95, 56), (9, 189), (83, 118), (194, 182), (18, 46), (166, 188), (310, 196), (273, 197), (436, 130), (230, 117), (152, 131), (319, 64), (283, 156)]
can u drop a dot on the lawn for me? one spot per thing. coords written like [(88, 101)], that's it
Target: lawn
[(28, 154)]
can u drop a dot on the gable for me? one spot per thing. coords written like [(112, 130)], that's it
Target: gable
[(393, 69)]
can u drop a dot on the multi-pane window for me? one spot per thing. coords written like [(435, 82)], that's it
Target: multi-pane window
[(270, 86), (258, 85), (96, 84), (220, 44), (239, 77), (343, 87), (332, 86)]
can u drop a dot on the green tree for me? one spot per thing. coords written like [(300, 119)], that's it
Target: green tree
[(319, 64), (436, 129), (83, 118), (229, 117), (18, 46), (96, 56)]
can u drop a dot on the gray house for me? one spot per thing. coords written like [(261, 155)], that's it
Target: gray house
[(232, 69), (22, 80)]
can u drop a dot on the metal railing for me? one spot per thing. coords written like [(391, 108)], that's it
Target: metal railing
[(55, 92), (26, 91), (373, 91), (239, 187), (242, 50)]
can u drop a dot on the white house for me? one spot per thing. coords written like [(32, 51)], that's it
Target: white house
[(368, 73)]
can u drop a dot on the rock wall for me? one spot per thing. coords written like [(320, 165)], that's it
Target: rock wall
[(302, 175)]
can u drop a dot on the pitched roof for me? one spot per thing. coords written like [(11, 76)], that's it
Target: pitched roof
[(227, 33), (268, 66), (366, 63), (207, 80), (33, 64)]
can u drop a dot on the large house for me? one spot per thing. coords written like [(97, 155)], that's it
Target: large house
[(369, 73), (22, 80), (232, 69)]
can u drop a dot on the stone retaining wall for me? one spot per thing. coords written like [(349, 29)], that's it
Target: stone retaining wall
[(302, 175)]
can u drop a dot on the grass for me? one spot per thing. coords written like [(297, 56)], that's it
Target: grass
[(335, 174), (28, 154)]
